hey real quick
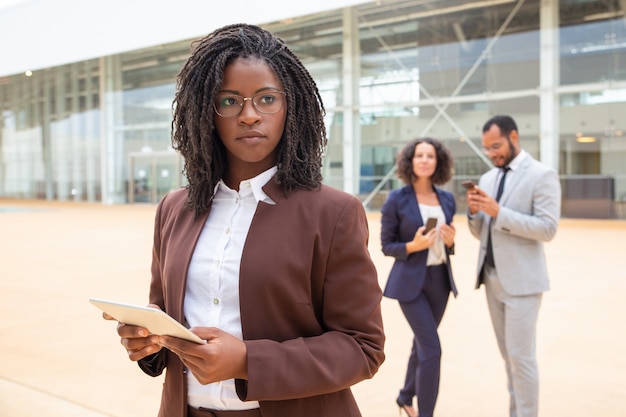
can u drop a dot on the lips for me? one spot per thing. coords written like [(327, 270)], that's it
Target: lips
[(251, 134), (251, 137)]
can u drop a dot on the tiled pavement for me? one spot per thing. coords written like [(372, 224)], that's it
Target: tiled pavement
[(60, 359)]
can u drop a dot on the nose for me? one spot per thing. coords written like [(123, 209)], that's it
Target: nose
[(249, 114)]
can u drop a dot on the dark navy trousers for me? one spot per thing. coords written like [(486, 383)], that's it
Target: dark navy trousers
[(424, 315)]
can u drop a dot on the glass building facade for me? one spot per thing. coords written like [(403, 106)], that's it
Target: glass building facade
[(388, 71)]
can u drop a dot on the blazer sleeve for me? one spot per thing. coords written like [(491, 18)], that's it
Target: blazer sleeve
[(391, 242), (477, 220), (540, 221), (154, 365), (340, 341)]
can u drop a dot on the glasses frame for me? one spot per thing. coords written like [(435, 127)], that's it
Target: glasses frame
[(496, 146), (251, 100)]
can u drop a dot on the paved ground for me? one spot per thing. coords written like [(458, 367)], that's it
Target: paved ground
[(60, 359)]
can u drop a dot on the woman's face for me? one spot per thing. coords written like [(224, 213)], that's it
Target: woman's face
[(251, 137), (424, 160)]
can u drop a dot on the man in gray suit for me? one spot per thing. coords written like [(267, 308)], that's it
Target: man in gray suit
[(513, 210)]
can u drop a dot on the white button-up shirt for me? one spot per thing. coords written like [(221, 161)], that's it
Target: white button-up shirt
[(437, 252), (212, 293)]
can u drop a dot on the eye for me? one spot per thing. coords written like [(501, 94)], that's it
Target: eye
[(227, 101), (266, 99)]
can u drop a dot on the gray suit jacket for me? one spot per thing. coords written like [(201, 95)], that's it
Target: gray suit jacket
[(529, 214)]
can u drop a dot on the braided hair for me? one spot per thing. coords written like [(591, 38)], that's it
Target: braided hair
[(301, 148)]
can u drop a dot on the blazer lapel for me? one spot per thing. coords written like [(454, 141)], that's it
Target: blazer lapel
[(514, 180), (411, 201)]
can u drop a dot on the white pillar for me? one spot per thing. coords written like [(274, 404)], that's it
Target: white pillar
[(351, 125), (91, 135), (111, 147), (549, 108)]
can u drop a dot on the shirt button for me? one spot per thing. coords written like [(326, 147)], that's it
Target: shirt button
[(216, 301)]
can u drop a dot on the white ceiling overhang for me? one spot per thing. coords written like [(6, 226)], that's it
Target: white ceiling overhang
[(36, 34)]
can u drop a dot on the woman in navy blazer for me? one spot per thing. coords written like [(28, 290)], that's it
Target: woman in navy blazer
[(421, 277)]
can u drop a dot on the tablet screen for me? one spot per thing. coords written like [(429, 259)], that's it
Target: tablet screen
[(153, 319)]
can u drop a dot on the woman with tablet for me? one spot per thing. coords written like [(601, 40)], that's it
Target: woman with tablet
[(255, 254)]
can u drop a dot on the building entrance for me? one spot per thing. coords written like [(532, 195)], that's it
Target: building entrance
[(152, 175)]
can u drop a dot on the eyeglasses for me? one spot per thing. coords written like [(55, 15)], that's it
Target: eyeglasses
[(496, 146), (230, 105)]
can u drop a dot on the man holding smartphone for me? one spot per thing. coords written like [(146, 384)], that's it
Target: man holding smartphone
[(513, 210)]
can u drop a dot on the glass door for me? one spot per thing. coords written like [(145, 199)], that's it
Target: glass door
[(152, 175)]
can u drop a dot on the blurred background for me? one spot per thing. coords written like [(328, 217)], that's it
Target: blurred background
[(86, 90)]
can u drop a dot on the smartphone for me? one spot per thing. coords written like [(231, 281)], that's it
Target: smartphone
[(468, 185), (430, 224)]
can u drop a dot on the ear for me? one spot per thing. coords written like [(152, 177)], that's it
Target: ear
[(515, 139)]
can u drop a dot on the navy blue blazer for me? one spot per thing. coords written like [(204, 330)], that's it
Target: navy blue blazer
[(400, 220)]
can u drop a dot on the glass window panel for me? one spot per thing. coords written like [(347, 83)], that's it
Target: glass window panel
[(598, 56)]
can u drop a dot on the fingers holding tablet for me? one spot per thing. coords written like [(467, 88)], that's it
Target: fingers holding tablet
[(151, 318)]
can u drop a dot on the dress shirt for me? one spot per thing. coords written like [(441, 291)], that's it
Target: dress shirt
[(437, 252), (513, 166), (212, 292)]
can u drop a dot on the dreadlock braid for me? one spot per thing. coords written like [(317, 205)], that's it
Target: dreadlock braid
[(304, 139)]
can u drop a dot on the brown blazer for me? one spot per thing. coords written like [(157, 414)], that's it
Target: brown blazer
[(309, 296)]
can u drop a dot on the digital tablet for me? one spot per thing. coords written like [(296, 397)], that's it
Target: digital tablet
[(153, 319)]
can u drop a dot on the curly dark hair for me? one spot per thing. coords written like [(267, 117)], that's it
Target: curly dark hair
[(304, 140), (404, 161)]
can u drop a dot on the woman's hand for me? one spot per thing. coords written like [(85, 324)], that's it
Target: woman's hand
[(447, 233), (138, 341), (223, 356), (421, 241)]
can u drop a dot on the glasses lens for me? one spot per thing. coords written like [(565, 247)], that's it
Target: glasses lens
[(494, 148), (268, 102), (228, 105)]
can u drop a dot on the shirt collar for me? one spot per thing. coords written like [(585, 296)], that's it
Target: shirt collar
[(257, 183), (254, 185), (517, 161)]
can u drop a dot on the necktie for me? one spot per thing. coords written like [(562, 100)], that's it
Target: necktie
[(489, 256), (501, 184)]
